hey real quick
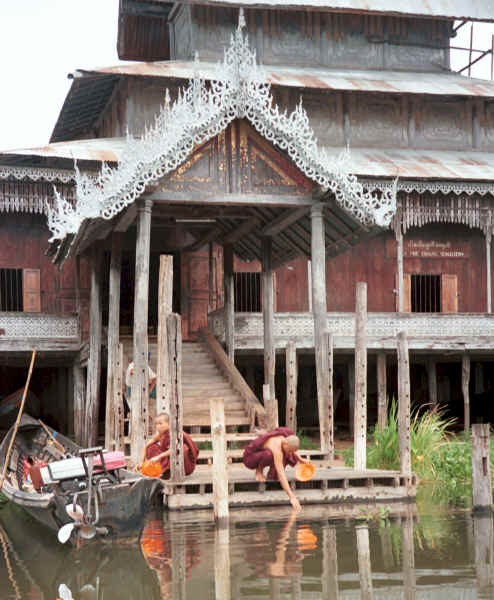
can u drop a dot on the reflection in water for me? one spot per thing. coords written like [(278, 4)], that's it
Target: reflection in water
[(290, 558)]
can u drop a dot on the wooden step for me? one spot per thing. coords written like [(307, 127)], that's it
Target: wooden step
[(230, 437), (229, 406), (205, 420)]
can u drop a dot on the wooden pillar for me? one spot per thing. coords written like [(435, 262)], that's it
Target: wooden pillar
[(70, 403), (351, 396), (360, 427), (220, 468), (268, 314), (229, 301), (404, 405), (94, 365), (488, 237), (320, 316), (329, 564), (364, 562), (165, 307), (330, 409), (271, 406), (174, 334), (381, 391), (118, 402), (399, 258), (179, 562), (140, 384), (222, 574), (481, 468), (291, 386), (113, 336), (465, 384), (408, 558), (79, 398), (432, 380), (484, 555)]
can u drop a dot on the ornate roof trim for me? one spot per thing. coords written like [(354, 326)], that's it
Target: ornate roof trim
[(37, 174), (445, 187), (199, 114)]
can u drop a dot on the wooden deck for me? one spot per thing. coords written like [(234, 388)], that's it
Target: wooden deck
[(329, 486)]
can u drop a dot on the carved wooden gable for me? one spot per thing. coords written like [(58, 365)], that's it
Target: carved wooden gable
[(238, 160)]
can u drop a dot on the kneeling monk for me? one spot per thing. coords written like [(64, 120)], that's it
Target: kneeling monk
[(158, 447), (274, 449)]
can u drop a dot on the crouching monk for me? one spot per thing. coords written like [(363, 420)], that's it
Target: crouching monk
[(275, 449), (158, 447)]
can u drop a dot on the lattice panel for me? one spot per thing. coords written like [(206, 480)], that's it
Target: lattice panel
[(23, 325)]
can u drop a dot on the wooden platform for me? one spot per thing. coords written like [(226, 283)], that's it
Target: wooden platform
[(329, 486)]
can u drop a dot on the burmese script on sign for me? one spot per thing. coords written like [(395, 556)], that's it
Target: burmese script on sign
[(433, 249)]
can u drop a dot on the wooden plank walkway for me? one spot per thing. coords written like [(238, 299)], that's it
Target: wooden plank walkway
[(329, 485)]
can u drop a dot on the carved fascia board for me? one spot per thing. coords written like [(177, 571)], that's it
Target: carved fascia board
[(37, 174), (200, 113), (432, 186)]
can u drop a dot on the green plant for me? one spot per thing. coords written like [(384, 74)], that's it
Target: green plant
[(308, 443)]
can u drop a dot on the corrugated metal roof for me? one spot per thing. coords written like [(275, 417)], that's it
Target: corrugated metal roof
[(103, 149), (481, 10), (333, 79)]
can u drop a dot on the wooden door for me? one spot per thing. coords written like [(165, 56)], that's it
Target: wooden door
[(31, 290), (449, 293), (407, 293), (194, 292)]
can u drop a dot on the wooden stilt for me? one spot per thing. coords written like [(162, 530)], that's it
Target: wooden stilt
[(229, 301), (296, 587), (291, 386), (465, 384), (174, 334), (381, 391), (274, 589), (360, 428), (70, 402), (484, 555), (488, 238), (118, 402), (319, 310), (364, 562), (432, 380), (268, 314), (408, 558), (94, 365), (113, 337), (329, 569), (62, 398), (271, 407), (222, 574), (351, 396), (179, 563), (165, 302), (211, 274), (331, 407), (481, 468), (220, 468), (79, 401), (399, 257), (140, 381), (404, 405)]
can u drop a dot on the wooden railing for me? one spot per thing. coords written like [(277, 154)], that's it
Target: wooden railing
[(21, 331), (229, 370)]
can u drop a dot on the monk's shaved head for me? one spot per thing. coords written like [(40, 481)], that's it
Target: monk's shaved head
[(292, 442)]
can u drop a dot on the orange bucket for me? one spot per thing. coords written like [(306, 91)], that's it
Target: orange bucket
[(304, 472), (151, 469)]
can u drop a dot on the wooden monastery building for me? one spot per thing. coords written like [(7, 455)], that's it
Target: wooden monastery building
[(270, 222)]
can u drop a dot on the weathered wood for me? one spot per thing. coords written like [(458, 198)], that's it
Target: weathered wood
[(127, 218), (79, 401), (488, 238), (465, 385), (399, 259), (484, 555), (481, 467), (284, 220), (319, 310), (404, 405), (118, 401), (408, 558), (113, 336), (271, 407), (360, 427), (247, 227), (351, 396), (94, 365), (220, 469), (432, 380), (291, 386), (364, 562), (268, 314), (174, 335), (140, 384), (211, 278), (165, 307), (229, 292), (178, 543), (331, 398), (222, 574), (381, 391), (256, 200), (329, 569)]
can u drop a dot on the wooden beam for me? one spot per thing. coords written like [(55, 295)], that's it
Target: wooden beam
[(79, 402), (360, 428), (174, 334), (127, 218), (481, 467), (432, 380), (210, 236), (165, 307), (268, 314), (168, 197), (140, 384), (399, 259), (220, 470), (381, 391), (331, 406), (241, 231), (113, 336), (229, 294), (351, 396), (118, 401), (404, 405), (284, 220), (408, 557), (488, 238), (364, 562), (291, 386), (465, 384)]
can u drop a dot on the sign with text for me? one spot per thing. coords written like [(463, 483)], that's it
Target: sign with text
[(435, 249)]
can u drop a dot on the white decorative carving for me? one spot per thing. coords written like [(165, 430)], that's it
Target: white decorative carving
[(443, 186), (37, 174), (35, 325), (200, 113)]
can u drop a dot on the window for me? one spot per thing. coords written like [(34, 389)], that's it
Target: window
[(247, 287), (11, 290), (425, 293)]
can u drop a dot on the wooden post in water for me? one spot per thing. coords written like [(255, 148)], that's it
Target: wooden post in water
[(432, 380), (271, 406), (139, 402), (113, 337), (481, 468), (360, 427), (220, 468), (381, 391), (268, 314), (364, 562), (351, 396), (404, 405), (94, 365), (465, 384), (222, 576), (165, 307), (174, 335), (229, 300), (329, 569), (291, 386), (408, 558), (179, 562), (484, 555)]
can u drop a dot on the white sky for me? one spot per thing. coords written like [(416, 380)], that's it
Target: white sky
[(41, 41)]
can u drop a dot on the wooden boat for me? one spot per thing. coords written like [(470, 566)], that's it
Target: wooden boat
[(103, 502)]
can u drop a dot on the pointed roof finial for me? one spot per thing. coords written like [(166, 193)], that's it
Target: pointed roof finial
[(241, 19)]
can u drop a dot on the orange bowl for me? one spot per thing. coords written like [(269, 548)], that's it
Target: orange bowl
[(304, 472), (306, 539), (151, 469)]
